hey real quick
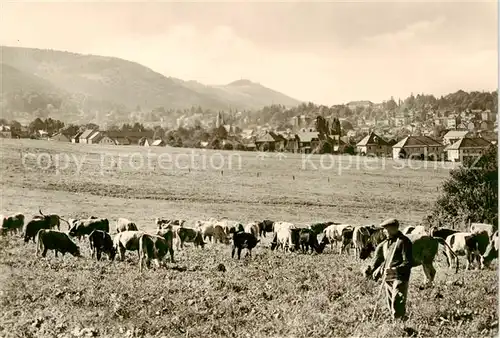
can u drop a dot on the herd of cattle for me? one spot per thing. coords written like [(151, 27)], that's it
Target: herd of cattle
[(479, 244)]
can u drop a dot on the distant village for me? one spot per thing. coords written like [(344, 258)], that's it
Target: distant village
[(436, 135)]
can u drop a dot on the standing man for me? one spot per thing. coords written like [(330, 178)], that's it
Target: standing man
[(393, 260)]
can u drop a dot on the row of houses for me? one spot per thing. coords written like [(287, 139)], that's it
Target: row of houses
[(456, 147), (305, 141), (90, 136)]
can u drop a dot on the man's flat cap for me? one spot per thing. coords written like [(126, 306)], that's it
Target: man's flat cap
[(390, 222)]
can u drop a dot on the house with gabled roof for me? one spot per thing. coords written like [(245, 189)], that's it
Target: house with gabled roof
[(422, 147), (308, 141), (60, 137), (76, 138), (373, 144), (95, 137), (270, 141), (467, 147), (83, 138), (454, 135)]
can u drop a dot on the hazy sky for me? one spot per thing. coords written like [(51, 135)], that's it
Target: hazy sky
[(324, 52)]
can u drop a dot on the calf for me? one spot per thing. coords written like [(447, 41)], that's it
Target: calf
[(243, 240), (12, 224), (491, 251), (190, 235), (472, 245), (100, 241), (220, 235), (123, 224), (168, 235), (127, 241), (57, 241), (85, 227), (309, 240), (153, 247)]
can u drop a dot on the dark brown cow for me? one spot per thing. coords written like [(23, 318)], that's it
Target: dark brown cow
[(243, 240), (85, 227), (31, 229), (265, 226), (13, 223), (100, 242), (308, 239), (153, 247), (190, 235), (441, 232), (220, 235), (57, 241)]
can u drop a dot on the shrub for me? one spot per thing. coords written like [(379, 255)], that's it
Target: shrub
[(471, 192)]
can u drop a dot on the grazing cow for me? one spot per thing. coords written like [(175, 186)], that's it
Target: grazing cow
[(265, 226), (308, 239), (318, 228), (154, 247), (169, 235), (207, 229), (85, 227), (442, 233), (417, 230), (472, 245), (220, 235), (360, 237), (334, 233), (100, 241), (491, 251), (243, 240), (424, 250), (123, 224), (13, 223), (127, 241), (479, 227), (190, 235), (57, 241), (252, 228), (31, 229), (283, 236), (377, 236)]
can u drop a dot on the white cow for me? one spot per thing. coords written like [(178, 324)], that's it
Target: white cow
[(283, 235), (206, 228), (252, 228), (361, 237), (123, 224), (127, 240), (466, 244), (333, 234)]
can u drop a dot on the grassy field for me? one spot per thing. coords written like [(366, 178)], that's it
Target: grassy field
[(272, 294)]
